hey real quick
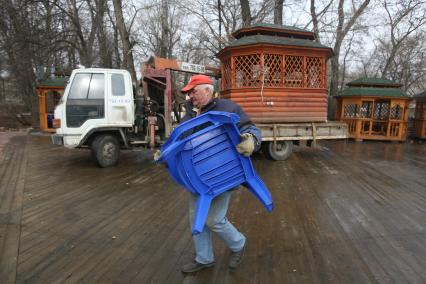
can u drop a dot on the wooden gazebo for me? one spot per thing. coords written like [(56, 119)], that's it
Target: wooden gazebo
[(49, 93), (374, 109), (420, 115), (276, 73)]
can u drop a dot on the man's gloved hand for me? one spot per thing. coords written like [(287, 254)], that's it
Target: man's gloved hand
[(246, 146), (157, 155)]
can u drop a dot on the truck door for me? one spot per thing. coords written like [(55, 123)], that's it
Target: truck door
[(85, 104), (121, 106)]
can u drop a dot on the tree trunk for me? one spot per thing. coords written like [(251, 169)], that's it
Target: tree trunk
[(278, 12), (115, 48), (125, 39), (165, 30), (315, 21), (245, 12), (104, 49)]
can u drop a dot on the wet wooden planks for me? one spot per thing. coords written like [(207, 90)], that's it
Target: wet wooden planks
[(347, 213), (13, 162)]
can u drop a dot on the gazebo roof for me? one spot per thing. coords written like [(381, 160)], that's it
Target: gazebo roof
[(266, 39), (274, 30), (372, 92), (55, 82), (374, 82)]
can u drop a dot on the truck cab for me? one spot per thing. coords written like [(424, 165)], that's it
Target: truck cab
[(95, 111)]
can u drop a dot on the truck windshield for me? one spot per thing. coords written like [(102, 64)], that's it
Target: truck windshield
[(86, 99)]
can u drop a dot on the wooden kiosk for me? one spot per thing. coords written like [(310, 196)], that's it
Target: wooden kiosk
[(374, 109), (420, 116), (276, 74), (49, 93)]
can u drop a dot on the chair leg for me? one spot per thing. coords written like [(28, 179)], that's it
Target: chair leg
[(202, 207), (259, 189)]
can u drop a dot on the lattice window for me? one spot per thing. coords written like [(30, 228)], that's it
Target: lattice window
[(351, 110), (293, 72), (381, 110), (226, 74), (396, 112), (273, 70), (366, 109), (314, 76), (247, 71)]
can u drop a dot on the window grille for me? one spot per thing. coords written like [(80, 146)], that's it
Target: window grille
[(246, 74), (293, 71), (396, 112), (381, 110), (314, 72), (277, 71), (366, 109), (226, 76), (351, 110), (273, 70)]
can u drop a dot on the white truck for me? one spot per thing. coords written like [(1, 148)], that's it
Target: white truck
[(100, 111)]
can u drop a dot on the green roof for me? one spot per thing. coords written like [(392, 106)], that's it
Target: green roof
[(255, 39), (373, 92), (373, 82), (274, 30), (54, 82), (274, 26)]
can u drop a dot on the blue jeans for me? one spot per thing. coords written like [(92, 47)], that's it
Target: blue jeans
[(218, 223)]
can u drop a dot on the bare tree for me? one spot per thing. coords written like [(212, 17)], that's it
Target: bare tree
[(405, 18), (399, 53), (408, 63), (347, 53), (161, 28), (79, 14), (316, 17), (343, 27), (207, 30)]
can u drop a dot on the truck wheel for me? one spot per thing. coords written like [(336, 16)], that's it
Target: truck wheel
[(281, 153), (105, 150)]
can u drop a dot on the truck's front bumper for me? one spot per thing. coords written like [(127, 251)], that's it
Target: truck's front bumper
[(57, 139)]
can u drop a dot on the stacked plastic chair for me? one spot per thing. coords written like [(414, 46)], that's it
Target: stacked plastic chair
[(201, 156)]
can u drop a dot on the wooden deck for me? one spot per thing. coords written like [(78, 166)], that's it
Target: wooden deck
[(347, 213)]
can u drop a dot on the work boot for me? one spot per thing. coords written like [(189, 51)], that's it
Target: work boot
[(194, 266), (236, 257)]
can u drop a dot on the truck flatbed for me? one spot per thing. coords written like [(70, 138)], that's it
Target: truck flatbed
[(303, 131), (278, 138)]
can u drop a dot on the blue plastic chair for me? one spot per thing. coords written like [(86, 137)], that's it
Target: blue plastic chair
[(201, 156)]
